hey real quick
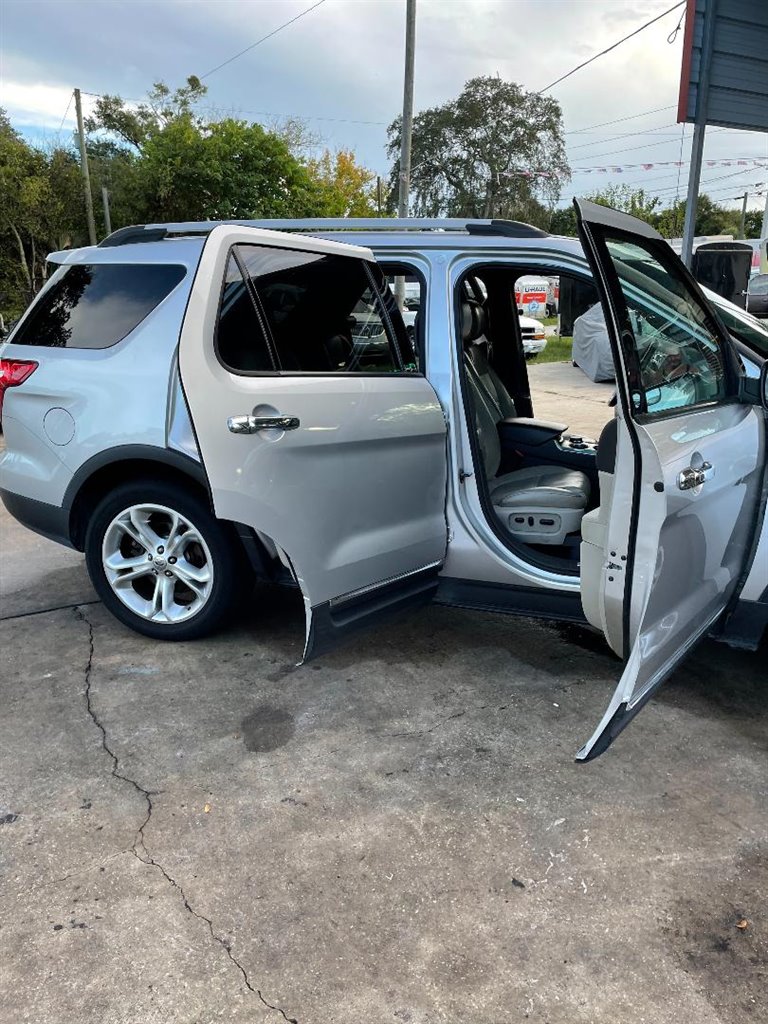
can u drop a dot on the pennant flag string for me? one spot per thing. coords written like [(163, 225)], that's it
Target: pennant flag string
[(620, 168)]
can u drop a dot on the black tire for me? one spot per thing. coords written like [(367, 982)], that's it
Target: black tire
[(226, 556)]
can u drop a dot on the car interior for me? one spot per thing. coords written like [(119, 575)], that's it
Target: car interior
[(540, 482)]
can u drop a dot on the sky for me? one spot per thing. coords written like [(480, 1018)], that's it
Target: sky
[(340, 67)]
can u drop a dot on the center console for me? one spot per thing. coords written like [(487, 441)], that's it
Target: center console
[(530, 442), (571, 443)]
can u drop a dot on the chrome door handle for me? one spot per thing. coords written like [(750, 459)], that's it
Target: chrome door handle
[(689, 478), (253, 424)]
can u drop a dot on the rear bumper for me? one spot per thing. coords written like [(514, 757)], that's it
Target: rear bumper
[(50, 521)]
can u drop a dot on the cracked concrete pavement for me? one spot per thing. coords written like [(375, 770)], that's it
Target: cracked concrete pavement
[(397, 832)]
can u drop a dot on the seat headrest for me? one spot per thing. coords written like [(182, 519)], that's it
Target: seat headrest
[(474, 320)]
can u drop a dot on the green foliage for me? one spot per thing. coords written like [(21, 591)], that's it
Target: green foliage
[(711, 217), (114, 167), (470, 155), (161, 161), (635, 202), (349, 190), (229, 170), (178, 166), (39, 201), (136, 126)]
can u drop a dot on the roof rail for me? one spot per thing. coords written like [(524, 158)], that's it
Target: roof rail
[(313, 225), (134, 233), (510, 228)]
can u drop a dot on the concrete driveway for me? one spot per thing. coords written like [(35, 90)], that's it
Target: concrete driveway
[(396, 833), (562, 393)]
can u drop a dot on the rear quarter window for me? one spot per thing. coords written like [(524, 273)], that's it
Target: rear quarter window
[(97, 305)]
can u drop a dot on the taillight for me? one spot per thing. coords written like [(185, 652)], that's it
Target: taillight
[(12, 373)]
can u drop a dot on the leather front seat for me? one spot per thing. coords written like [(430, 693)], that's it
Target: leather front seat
[(537, 504), (542, 486)]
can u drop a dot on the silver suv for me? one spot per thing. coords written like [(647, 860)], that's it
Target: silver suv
[(196, 405)]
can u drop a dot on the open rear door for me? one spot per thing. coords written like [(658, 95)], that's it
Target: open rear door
[(315, 429), (690, 458)]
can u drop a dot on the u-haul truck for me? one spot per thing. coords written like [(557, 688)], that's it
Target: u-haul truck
[(537, 296)]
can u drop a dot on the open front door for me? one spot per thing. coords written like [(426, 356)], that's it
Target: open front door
[(690, 457), (314, 427)]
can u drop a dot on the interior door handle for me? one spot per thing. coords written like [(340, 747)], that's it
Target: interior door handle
[(253, 424), (689, 478)]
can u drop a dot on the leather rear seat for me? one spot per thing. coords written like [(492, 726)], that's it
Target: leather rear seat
[(537, 504)]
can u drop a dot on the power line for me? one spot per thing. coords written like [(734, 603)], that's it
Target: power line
[(263, 38), (632, 149), (624, 135), (64, 118), (613, 46), (706, 184), (305, 117), (618, 120)]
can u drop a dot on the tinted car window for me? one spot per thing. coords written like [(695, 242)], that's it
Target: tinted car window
[(405, 298), (240, 338), (680, 358), (742, 325), (97, 305), (324, 313)]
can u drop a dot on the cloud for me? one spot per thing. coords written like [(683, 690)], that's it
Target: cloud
[(342, 64)]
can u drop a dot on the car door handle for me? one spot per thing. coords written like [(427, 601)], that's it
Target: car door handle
[(253, 424), (689, 478)]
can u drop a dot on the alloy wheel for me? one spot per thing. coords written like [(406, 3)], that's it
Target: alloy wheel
[(157, 563)]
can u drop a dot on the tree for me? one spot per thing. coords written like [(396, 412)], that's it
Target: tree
[(135, 126), (753, 222), (40, 204), (635, 202), (711, 219), (114, 167), (487, 153), (348, 189), (183, 167)]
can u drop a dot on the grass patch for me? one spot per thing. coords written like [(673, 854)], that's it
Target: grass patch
[(550, 321), (558, 350)]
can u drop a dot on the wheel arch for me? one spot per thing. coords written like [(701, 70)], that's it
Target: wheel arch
[(104, 471)]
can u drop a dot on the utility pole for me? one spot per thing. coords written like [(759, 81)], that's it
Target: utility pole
[(697, 147), (691, 202), (379, 193), (107, 218), (407, 125), (84, 167), (743, 221), (406, 130)]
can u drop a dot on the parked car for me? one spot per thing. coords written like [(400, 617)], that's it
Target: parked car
[(757, 295), (186, 404), (534, 338)]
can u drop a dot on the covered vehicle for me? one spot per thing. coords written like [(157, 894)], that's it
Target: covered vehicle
[(592, 345)]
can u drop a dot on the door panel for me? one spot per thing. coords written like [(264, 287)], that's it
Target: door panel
[(354, 493), (689, 467)]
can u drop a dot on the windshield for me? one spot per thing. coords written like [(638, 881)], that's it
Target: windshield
[(742, 325)]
